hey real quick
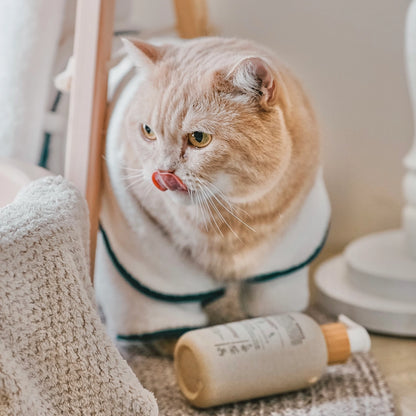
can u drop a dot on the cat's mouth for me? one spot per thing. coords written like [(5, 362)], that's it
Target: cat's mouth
[(165, 180)]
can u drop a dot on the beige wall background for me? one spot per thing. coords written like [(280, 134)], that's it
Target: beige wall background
[(350, 56)]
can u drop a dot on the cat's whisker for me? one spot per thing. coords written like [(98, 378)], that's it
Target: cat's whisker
[(234, 207), (213, 217), (205, 195), (133, 169), (221, 195), (137, 175), (135, 182), (131, 184), (207, 183), (228, 210), (224, 221), (211, 203), (235, 216), (206, 202), (203, 214), (205, 211)]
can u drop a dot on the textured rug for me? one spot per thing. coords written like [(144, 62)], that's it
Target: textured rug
[(352, 389)]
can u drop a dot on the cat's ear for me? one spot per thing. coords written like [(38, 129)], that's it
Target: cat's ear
[(142, 54), (253, 76)]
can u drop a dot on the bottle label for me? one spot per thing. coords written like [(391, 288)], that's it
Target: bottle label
[(259, 334)]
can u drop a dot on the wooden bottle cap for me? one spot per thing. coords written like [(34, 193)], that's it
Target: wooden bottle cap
[(337, 342)]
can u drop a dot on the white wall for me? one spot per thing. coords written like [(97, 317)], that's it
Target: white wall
[(350, 56)]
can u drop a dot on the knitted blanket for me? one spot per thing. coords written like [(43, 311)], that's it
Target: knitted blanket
[(55, 357)]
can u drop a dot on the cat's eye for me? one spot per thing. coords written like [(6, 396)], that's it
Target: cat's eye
[(199, 139), (147, 132)]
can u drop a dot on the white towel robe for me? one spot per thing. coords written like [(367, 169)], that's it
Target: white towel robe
[(148, 289)]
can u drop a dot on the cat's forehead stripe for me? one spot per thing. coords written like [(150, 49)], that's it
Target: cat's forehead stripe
[(176, 101), (170, 111)]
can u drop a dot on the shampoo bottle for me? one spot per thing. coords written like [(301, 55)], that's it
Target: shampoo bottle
[(262, 356)]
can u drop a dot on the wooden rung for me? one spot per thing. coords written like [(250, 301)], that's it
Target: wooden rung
[(191, 18)]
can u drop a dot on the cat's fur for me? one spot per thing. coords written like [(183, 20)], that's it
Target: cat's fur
[(260, 165)]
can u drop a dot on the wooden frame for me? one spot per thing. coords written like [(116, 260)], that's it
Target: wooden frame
[(92, 51), (87, 113)]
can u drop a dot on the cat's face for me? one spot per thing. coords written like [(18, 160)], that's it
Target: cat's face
[(208, 120)]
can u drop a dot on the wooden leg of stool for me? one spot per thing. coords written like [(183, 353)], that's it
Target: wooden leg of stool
[(92, 51), (191, 18)]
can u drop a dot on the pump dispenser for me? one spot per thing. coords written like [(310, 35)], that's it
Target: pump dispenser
[(262, 356)]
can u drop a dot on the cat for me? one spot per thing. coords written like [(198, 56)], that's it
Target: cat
[(212, 175)]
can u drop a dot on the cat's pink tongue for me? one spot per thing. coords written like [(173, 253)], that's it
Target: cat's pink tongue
[(166, 180)]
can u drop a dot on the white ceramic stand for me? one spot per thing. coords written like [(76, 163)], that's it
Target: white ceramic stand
[(374, 280)]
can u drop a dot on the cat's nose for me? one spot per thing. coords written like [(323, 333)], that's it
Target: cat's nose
[(165, 180)]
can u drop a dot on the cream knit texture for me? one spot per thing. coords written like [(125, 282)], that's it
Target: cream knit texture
[(55, 356)]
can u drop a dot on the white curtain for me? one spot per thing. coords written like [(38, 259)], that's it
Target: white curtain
[(29, 35)]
